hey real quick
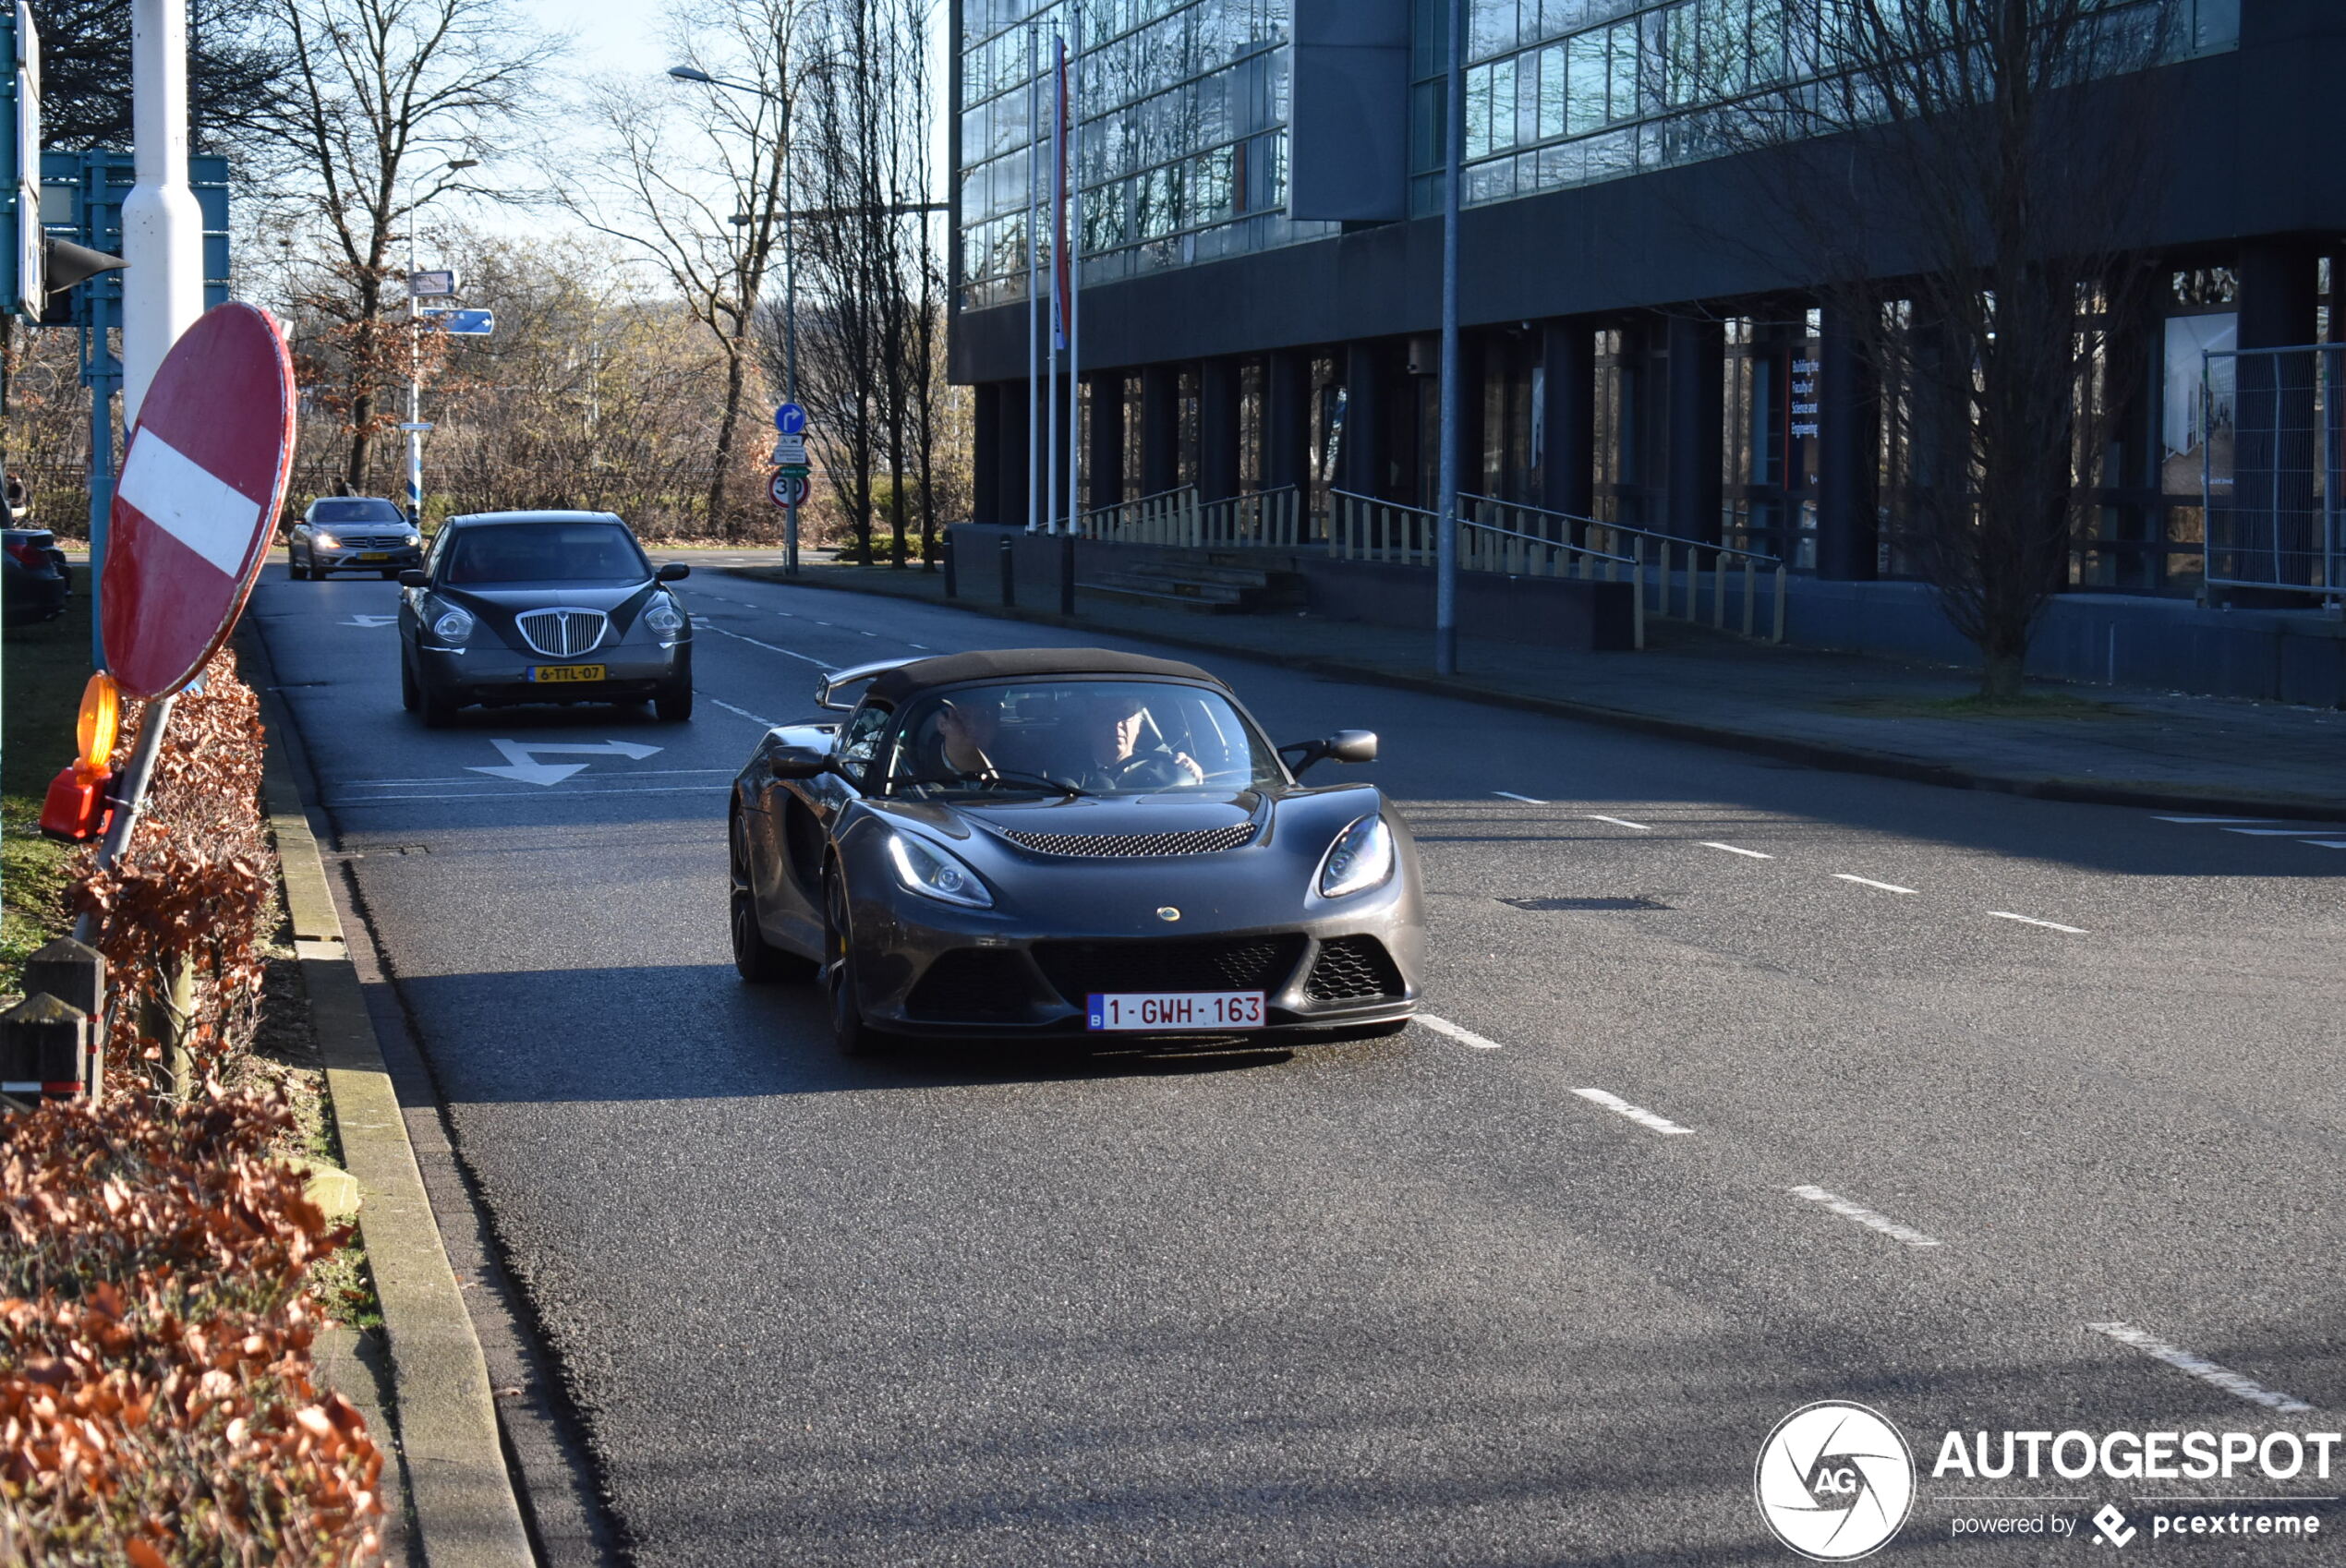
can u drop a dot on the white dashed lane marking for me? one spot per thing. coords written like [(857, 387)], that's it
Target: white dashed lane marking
[(1755, 854), (1865, 1216), (2199, 1367), (1511, 795), (1637, 1114), (1870, 882), (1463, 1036), (2031, 920), (792, 653), (1619, 822), (754, 718)]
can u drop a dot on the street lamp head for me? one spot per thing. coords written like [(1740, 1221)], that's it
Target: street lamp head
[(464, 162), (688, 73)]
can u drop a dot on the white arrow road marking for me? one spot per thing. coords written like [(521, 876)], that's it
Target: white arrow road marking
[(523, 768), (370, 620), (185, 500)]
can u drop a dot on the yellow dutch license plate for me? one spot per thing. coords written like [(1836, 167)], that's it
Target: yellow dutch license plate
[(374, 555), (559, 674)]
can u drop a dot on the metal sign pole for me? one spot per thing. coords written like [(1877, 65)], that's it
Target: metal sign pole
[(1446, 567)]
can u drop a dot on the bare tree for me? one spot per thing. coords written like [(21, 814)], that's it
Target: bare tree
[(382, 96), (696, 182), (2002, 155)]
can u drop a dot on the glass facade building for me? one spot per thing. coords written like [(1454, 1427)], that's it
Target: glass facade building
[(1181, 109)]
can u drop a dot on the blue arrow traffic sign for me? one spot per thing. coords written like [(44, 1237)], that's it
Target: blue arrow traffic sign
[(791, 420), (465, 324)]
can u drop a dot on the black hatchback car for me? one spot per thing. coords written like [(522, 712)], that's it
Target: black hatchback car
[(541, 607)]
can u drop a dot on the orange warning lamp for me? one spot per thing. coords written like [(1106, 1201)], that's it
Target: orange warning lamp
[(77, 807)]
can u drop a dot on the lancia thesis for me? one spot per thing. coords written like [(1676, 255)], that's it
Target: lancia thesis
[(541, 607), (1069, 841)]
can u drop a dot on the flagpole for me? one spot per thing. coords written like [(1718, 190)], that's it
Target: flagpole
[(1058, 227), (1034, 274)]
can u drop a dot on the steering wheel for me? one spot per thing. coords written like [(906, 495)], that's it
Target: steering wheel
[(1151, 770)]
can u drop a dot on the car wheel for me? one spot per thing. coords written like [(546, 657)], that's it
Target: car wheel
[(756, 960), (674, 703), (437, 707), (852, 1035), (295, 569), (390, 573), (408, 697)]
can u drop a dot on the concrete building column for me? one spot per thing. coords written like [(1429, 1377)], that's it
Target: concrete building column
[(1160, 429), (1361, 460), (1104, 463), (1217, 430), (1697, 410), (985, 453), (1567, 432), (1286, 419), (2272, 471), (1848, 451), (1009, 483)]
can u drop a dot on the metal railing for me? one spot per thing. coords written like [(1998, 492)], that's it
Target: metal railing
[(1256, 519), (1645, 547), (1363, 528)]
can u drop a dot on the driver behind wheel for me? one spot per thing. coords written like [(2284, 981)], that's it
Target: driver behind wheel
[(1108, 726)]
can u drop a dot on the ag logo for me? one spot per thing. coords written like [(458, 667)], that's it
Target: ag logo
[(1834, 1481)]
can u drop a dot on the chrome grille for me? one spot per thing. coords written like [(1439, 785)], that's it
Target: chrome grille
[(1199, 841), (369, 541), (563, 633)]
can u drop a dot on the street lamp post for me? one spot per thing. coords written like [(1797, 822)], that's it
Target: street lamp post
[(1445, 560), (416, 351)]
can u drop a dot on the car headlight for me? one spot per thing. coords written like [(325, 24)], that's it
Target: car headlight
[(1360, 858), (452, 625), (414, 540), (664, 617), (930, 872), (322, 538)]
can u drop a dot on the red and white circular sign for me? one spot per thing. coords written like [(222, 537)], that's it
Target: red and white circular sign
[(202, 476)]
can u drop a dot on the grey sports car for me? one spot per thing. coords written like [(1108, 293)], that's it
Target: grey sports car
[(1069, 841), (541, 607)]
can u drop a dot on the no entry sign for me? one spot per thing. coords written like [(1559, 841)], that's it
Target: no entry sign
[(202, 478)]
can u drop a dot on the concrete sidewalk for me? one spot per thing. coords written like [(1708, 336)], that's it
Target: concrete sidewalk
[(2098, 744)]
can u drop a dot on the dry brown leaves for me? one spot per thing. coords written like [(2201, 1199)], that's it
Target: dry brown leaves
[(195, 884), (156, 1400)]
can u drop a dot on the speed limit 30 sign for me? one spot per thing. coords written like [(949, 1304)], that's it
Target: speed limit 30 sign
[(788, 490)]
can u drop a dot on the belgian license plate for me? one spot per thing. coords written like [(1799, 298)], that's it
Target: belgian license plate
[(1171, 1011), (559, 674), (374, 555)]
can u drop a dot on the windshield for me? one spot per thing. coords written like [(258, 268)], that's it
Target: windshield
[(545, 552), (1078, 737), (356, 512)]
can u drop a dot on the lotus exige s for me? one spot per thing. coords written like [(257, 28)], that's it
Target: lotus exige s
[(1050, 842)]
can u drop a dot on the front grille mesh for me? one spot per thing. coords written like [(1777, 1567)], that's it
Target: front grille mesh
[(563, 633), (1076, 970), (1351, 968), (1198, 841)]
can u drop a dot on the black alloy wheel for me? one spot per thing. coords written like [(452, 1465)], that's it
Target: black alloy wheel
[(757, 960), (852, 1035), (675, 703)]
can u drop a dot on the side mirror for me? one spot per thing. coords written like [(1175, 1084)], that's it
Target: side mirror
[(413, 578), (674, 572), (790, 762), (1344, 745)]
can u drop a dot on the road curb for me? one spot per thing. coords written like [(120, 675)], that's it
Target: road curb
[(1782, 748), (465, 1515)]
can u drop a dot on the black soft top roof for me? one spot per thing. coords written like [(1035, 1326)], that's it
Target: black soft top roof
[(951, 669)]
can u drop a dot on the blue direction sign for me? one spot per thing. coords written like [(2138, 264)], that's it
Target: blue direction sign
[(464, 323), (791, 420)]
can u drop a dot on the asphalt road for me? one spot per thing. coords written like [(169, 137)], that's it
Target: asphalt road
[(1809, 1087)]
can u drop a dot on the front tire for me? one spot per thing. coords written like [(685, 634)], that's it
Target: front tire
[(673, 705), (437, 707), (757, 960), (852, 1035), (295, 569)]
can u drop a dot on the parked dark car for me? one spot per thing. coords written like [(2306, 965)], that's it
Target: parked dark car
[(541, 607), (38, 580), (352, 534), (1069, 841)]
